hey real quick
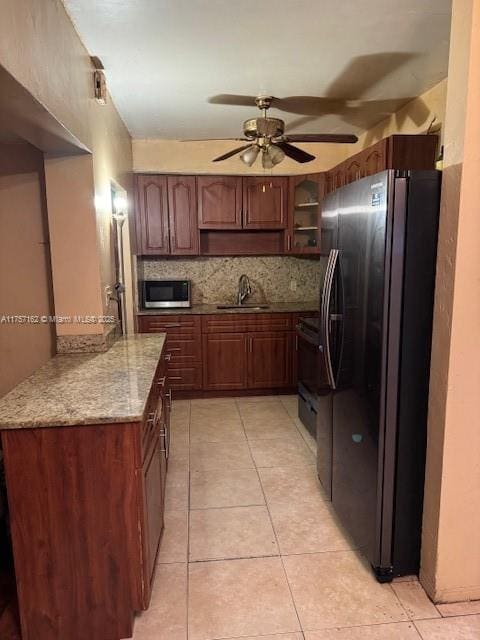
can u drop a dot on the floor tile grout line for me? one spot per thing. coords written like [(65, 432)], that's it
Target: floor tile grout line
[(278, 544), (187, 595)]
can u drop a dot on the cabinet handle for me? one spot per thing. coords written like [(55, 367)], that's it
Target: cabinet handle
[(169, 398), (289, 243), (171, 325), (172, 350), (174, 377), (250, 344), (168, 357), (161, 381), (296, 342)]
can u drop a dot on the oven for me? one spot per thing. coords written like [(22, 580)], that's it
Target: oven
[(309, 372), (165, 294)]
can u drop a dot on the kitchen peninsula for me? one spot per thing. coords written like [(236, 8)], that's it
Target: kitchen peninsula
[(85, 442)]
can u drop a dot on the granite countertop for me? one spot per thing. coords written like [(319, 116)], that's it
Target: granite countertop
[(82, 389), (209, 309)]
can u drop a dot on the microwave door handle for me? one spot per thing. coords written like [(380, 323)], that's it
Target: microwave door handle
[(325, 314)]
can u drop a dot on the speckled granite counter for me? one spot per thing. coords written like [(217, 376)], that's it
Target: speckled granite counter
[(209, 309), (86, 388)]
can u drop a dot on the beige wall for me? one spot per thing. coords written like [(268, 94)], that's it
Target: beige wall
[(25, 277), (413, 118), (173, 156), (40, 48), (451, 530)]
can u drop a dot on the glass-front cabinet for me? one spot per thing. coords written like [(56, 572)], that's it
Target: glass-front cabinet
[(306, 194)]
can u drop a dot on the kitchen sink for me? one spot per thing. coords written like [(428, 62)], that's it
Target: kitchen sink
[(247, 306)]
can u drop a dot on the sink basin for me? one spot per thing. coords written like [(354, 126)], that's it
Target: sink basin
[(247, 306)]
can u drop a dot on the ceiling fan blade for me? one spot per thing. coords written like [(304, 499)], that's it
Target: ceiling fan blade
[(233, 99), (294, 152), (214, 139), (225, 156), (321, 137)]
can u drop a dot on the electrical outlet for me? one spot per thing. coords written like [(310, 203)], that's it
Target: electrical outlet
[(293, 285)]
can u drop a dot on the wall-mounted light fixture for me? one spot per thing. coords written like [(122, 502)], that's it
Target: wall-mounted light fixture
[(120, 207), (99, 81), (119, 215)]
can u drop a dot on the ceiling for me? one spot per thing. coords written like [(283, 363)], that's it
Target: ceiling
[(164, 59)]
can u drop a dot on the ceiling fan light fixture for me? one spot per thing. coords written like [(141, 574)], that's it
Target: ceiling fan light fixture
[(276, 154), (250, 155), (267, 161)]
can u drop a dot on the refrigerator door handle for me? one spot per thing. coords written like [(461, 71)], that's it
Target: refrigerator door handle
[(325, 314)]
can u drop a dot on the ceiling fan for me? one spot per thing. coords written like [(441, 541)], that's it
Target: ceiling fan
[(267, 136)]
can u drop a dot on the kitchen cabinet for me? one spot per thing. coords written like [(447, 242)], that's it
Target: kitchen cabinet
[(247, 351), (219, 202), (252, 202), (166, 215), (270, 363), (182, 215), (265, 202), (400, 152), (224, 361), (91, 498), (226, 351), (305, 197), (183, 347), (152, 215)]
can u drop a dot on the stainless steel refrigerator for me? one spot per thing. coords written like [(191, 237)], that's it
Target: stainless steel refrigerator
[(380, 236)]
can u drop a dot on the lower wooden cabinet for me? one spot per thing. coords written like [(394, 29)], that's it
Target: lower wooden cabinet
[(222, 352), (153, 479), (91, 499), (247, 360), (224, 361), (269, 360)]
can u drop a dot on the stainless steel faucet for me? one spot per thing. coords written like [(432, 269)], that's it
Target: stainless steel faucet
[(244, 289)]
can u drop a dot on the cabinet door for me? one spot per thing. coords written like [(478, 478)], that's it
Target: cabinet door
[(219, 201), (337, 177), (265, 202), (153, 481), (304, 204), (182, 215), (374, 159), (152, 215), (269, 360), (224, 361), (353, 170)]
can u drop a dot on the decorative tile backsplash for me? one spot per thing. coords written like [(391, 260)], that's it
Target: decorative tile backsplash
[(215, 280)]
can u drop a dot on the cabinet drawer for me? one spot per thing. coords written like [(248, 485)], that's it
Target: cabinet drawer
[(169, 324), (183, 348), (243, 322), (185, 377)]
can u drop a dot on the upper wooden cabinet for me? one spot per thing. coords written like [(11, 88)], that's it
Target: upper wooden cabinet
[(182, 215), (396, 152), (229, 203), (166, 215), (219, 202), (188, 215), (265, 202), (152, 215), (305, 198)]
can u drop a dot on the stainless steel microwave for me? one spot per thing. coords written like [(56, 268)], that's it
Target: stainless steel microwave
[(166, 294)]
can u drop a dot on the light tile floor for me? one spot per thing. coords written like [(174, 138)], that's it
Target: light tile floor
[(252, 550)]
